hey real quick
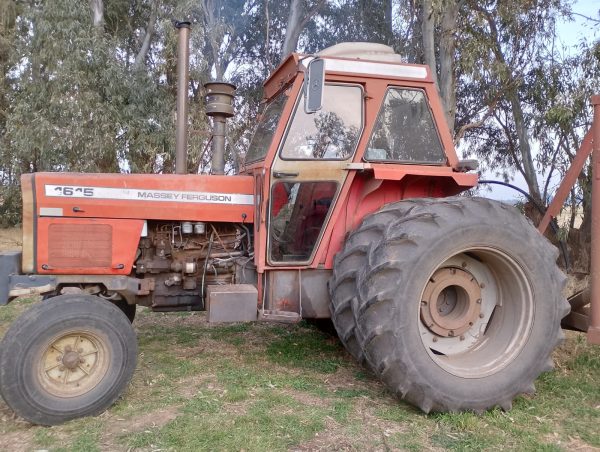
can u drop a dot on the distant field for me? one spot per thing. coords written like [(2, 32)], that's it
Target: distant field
[(260, 387), (11, 239)]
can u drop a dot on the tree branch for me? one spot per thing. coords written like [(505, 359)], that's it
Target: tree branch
[(475, 124), (140, 58), (587, 17)]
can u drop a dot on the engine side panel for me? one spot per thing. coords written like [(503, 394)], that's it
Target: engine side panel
[(146, 196), (87, 245)]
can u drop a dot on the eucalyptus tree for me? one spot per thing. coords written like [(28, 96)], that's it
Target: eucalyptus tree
[(501, 42)]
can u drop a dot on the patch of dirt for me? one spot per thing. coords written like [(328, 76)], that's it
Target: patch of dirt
[(365, 408), (375, 433), (16, 441), (570, 348), (237, 408), (344, 378), (191, 352), (305, 398), (206, 346), (576, 283), (166, 319), (117, 427), (189, 387), (333, 438), (574, 444), (21, 434), (579, 445)]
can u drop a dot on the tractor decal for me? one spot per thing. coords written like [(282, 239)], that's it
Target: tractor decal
[(71, 191)]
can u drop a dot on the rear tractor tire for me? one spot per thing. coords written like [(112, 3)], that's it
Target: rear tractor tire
[(454, 303), (69, 357)]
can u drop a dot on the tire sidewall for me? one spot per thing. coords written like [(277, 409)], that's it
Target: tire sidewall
[(486, 233), (24, 346)]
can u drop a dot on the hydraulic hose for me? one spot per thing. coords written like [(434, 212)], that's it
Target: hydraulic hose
[(542, 210)]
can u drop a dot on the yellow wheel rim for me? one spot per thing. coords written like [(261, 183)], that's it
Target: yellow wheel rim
[(73, 363)]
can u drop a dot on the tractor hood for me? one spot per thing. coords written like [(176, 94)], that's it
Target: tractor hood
[(48, 197)]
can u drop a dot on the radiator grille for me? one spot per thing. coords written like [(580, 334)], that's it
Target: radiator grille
[(79, 246)]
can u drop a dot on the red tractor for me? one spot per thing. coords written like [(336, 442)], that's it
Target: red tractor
[(345, 208)]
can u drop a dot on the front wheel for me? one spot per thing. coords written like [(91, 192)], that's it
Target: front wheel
[(66, 358), (459, 304)]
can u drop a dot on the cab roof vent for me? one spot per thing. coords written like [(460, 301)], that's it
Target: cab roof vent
[(362, 51)]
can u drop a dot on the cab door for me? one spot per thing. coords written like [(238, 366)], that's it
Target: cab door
[(308, 172)]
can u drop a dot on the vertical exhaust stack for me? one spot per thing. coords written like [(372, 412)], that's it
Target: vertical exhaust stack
[(183, 81), (593, 334), (219, 105)]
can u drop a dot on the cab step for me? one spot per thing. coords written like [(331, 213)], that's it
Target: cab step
[(278, 316)]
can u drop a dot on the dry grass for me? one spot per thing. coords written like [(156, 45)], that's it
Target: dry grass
[(273, 387), (11, 239)]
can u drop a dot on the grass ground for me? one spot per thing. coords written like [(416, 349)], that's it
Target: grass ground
[(272, 387)]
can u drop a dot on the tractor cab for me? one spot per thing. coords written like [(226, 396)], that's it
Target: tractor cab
[(353, 111)]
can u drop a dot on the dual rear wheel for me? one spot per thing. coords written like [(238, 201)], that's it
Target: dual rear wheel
[(454, 303)]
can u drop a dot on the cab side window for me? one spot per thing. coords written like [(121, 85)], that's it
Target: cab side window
[(405, 131), (332, 132)]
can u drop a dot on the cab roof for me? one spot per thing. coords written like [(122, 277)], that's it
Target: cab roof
[(360, 59)]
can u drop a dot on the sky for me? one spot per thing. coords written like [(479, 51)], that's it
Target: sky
[(570, 33)]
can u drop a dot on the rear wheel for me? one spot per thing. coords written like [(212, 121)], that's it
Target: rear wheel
[(459, 303), (69, 357), (347, 266)]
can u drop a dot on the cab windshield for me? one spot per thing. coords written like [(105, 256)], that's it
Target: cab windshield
[(266, 129)]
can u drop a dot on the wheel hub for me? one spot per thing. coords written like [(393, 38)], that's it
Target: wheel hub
[(71, 360), (451, 302), (73, 364)]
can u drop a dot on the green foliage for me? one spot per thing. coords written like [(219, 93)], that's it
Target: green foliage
[(79, 96), (311, 351), (233, 396)]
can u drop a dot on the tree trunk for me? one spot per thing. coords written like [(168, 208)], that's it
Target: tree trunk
[(293, 29), (524, 146), (447, 78), (389, 24), (97, 7), (140, 58), (427, 34)]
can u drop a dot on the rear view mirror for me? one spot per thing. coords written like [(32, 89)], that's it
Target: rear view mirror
[(313, 86)]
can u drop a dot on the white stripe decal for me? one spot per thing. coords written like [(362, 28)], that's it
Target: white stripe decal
[(367, 67), (51, 212), (139, 194)]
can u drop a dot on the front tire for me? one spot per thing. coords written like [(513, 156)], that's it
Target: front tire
[(459, 303), (66, 358)]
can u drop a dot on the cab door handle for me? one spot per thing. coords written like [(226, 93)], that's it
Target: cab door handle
[(280, 174)]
